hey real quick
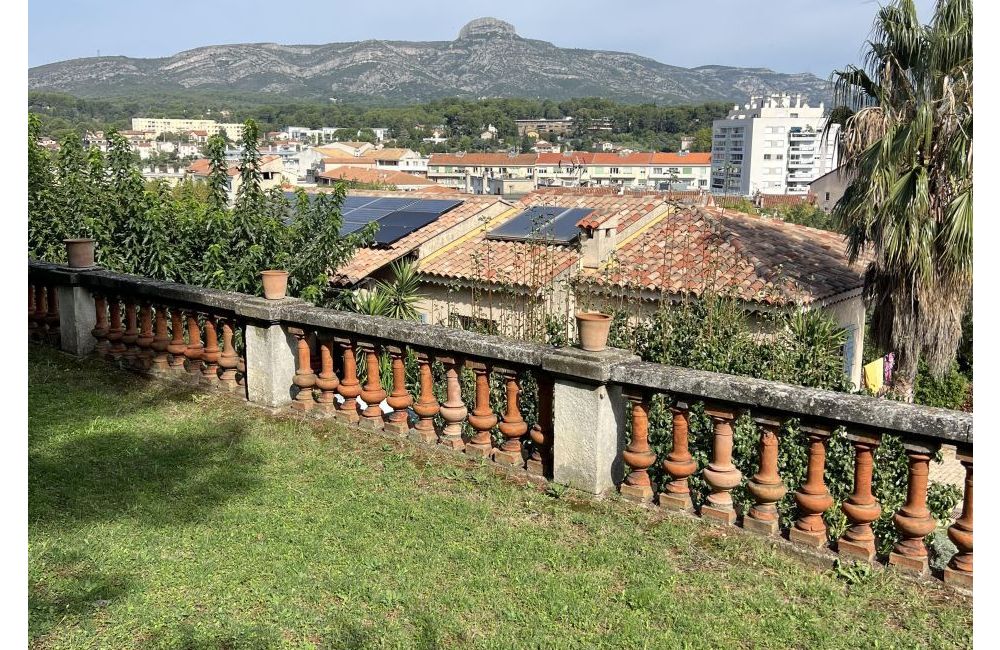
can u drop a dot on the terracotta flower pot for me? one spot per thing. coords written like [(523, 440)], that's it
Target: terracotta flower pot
[(594, 328), (80, 252), (275, 283)]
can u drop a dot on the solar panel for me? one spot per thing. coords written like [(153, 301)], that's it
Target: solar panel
[(351, 226), (390, 203), (399, 224), (365, 214), (351, 202), (440, 206), (541, 222)]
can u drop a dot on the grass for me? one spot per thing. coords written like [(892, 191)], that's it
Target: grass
[(165, 518)]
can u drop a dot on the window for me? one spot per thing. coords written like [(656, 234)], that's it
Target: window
[(614, 170), (657, 170), (472, 323), (827, 197), (687, 170), (779, 156)]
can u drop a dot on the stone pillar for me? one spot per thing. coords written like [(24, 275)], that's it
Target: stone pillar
[(766, 486), (100, 331), (512, 427), (76, 320), (270, 363), (453, 410), (161, 362), (913, 520), (304, 378), (813, 499), (959, 570), (115, 331), (327, 380), (540, 461), (52, 316), (638, 456), (210, 355), (861, 508), (349, 387), (227, 358), (372, 392), (177, 345), (399, 400), (482, 419), (195, 350), (678, 464), (427, 405), (721, 475)]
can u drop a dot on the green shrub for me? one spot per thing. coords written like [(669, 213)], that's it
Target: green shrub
[(948, 392)]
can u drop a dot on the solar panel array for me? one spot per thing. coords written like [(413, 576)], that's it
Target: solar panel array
[(396, 217), (542, 223)]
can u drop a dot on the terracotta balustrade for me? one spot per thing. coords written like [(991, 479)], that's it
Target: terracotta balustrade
[(959, 569), (426, 406), (678, 464), (482, 419), (326, 380), (305, 378), (512, 425), (861, 508), (210, 353), (101, 327), (195, 349), (812, 498), (161, 339), (177, 346), (349, 387), (913, 520), (638, 455), (399, 400), (766, 485), (41, 310), (52, 316), (116, 334), (540, 461), (32, 322), (720, 474), (144, 358), (453, 410), (131, 334), (227, 358), (372, 392)]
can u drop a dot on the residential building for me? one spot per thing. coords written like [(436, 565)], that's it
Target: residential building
[(542, 125), (350, 147), (272, 174), (455, 170), (354, 175), (771, 145), (182, 125), (828, 189)]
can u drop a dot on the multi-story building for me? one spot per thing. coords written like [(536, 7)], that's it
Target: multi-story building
[(455, 170), (654, 171), (771, 145), (160, 125)]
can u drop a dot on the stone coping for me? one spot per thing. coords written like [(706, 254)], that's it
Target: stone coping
[(857, 412)]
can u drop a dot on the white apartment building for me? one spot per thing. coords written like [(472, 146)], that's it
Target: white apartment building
[(771, 145), (160, 125)]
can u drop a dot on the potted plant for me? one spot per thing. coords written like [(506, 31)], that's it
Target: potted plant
[(275, 283), (80, 252), (593, 327)]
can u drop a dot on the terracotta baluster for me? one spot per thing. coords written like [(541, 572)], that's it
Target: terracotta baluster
[(959, 570), (861, 508), (637, 455), (766, 486), (482, 419), (812, 498), (913, 520), (349, 387), (512, 424), (372, 392), (115, 332), (144, 357), (41, 310), (540, 461), (720, 474), (326, 380), (227, 358), (52, 316), (678, 464), (453, 410), (100, 331), (195, 350), (161, 339), (304, 378), (177, 345), (399, 400), (426, 406), (210, 353), (32, 324), (131, 334)]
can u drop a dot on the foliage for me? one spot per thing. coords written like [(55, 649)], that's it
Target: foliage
[(908, 149), (948, 392), (806, 214)]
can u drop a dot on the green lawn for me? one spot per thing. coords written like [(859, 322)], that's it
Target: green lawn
[(162, 518)]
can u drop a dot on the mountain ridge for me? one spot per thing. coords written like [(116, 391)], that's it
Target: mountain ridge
[(488, 59)]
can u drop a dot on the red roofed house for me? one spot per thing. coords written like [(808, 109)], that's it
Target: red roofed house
[(362, 176), (272, 172), (456, 170)]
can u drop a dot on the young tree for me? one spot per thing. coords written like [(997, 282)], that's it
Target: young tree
[(908, 150)]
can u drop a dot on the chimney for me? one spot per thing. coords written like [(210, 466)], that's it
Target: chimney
[(598, 244)]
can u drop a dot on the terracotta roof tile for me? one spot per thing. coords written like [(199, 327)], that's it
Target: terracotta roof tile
[(361, 175), (483, 159)]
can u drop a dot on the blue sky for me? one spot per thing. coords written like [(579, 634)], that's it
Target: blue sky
[(785, 35)]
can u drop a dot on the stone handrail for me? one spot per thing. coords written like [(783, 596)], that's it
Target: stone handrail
[(289, 353)]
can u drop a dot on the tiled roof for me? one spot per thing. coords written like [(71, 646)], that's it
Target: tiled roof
[(628, 208), (483, 159), (203, 167), (360, 175), (368, 260), (755, 259), (687, 159)]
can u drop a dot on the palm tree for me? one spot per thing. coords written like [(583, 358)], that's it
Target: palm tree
[(907, 152), (396, 298)]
